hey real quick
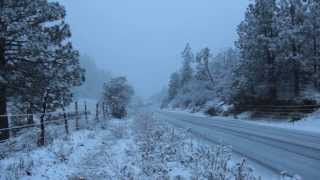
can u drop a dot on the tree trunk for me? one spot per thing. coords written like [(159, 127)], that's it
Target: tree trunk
[(86, 112), (42, 130), (4, 121), (296, 77), (272, 78), (104, 110), (315, 63), (41, 141), (66, 126), (209, 74), (97, 111), (30, 114), (77, 115)]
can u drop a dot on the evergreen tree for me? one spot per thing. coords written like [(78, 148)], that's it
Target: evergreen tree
[(33, 39), (203, 69), (293, 38), (258, 35), (117, 95), (174, 86), (186, 70), (312, 47)]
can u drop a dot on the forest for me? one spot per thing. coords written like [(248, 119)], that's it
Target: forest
[(275, 62)]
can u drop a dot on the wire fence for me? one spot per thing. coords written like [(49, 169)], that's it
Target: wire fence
[(63, 118)]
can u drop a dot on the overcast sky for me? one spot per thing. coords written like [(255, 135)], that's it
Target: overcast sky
[(143, 39)]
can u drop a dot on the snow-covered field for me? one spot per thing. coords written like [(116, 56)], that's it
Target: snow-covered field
[(137, 148)]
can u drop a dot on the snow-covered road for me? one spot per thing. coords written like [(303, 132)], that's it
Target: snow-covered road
[(278, 149)]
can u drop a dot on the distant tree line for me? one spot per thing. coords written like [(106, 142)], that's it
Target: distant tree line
[(276, 60), (38, 65)]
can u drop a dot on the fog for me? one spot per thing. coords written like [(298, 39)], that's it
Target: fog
[(143, 39)]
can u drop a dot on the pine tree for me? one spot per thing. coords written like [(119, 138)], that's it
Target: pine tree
[(293, 37), (203, 66), (33, 40), (186, 70), (312, 47), (174, 86), (258, 35), (117, 95)]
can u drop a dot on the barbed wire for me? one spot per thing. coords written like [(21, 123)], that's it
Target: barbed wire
[(38, 124), (22, 115)]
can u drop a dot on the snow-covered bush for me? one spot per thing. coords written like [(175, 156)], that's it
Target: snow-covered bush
[(63, 151), (117, 94), (18, 167), (119, 130), (164, 150)]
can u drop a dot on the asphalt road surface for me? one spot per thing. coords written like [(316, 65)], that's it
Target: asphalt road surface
[(277, 149)]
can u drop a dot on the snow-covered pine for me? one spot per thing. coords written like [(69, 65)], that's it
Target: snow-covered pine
[(258, 36), (38, 62), (312, 24), (186, 70), (276, 60), (174, 85), (292, 43), (117, 94)]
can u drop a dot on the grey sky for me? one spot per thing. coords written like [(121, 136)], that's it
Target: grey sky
[(143, 39)]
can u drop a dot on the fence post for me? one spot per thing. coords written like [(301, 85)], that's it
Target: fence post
[(42, 130), (77, 115), (97, 111), (104, 110), (30, 114), (41, 141), (66, 126), (86, 111)]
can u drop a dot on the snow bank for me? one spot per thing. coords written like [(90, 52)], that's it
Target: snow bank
[(310, 123)]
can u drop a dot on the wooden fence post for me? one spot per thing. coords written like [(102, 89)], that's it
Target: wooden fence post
[(77, 115), (42, 131), (30, 114), (104, 110), (86, 111), (66, 126), (97, 111)]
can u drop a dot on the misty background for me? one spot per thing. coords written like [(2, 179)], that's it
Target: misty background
[(143, 39)]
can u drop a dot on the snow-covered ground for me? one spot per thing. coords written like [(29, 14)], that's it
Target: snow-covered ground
[(137, 148), (97, 153), (310, 123)]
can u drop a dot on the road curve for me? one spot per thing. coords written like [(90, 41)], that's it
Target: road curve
[(277, 149)]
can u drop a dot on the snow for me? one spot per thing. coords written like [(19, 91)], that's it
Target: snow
[(187, 112), (120, 149), (84, 153), (309, 124)]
